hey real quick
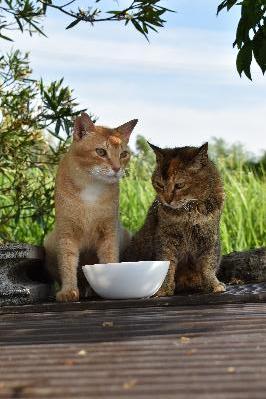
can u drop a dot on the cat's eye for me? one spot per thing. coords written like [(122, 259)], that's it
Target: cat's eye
[(101, 152), (178, 186), (124, 154)]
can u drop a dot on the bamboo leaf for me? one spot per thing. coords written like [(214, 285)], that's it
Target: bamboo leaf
[(73, 23)]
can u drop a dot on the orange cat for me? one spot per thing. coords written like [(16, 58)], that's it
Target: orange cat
[(87, 201)]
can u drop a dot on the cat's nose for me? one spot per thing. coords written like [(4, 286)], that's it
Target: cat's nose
[(116, 168), (168, 199)]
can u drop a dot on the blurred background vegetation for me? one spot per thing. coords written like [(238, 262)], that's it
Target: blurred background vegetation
[(36, 119), (35, 129), (243, 224)]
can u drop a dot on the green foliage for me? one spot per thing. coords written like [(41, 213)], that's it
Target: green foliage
[(20, 15), (250, 35), (235, 156), (27, 172), (243, 224), (35, 125), (26, 15), (136, 189), (30, 112), (34, 132), (144, 16)]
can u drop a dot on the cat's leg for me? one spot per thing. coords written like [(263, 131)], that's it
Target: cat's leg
[(108, 245), (167, 251), (208, 264), (168, 287), (68, 256)]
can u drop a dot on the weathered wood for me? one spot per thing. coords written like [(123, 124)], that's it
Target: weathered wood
[(234, 294), (200, 352), (244, 267)]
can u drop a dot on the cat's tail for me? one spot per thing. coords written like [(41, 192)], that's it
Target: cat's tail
[(243, 267)]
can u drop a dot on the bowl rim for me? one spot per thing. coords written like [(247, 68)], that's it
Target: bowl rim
[(135, 263)]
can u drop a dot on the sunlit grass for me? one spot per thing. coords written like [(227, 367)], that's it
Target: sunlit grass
[(243, 223)]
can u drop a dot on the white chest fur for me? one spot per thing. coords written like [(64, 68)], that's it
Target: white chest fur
[(91, 193)]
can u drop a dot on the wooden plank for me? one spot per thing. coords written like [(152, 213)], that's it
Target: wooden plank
[(216, 351), (235, 294)]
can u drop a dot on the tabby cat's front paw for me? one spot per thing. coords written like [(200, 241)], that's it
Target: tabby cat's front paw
[(165, 291), (161, 292), (68, 295), (220, 287)]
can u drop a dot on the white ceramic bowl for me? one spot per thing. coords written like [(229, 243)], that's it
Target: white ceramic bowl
[(126, 280)]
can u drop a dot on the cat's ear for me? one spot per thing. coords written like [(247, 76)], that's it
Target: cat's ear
[(83, 125), (127, 128), (157, 150), (201, 157)]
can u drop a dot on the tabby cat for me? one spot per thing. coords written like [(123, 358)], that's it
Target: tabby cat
[(182, 224)]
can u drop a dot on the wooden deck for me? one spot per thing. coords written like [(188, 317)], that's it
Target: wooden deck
[(126, 349)]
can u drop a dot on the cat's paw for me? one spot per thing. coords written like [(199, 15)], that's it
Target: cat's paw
[(160, 293), (220, 287), (165, 291), (68, 295)]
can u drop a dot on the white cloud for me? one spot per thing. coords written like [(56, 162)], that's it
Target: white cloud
[(201, 61), (179, 126), (178, 51)]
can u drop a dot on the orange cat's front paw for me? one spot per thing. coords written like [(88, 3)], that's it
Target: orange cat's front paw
[(68, 295)]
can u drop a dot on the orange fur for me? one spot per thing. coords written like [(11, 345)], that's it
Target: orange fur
[(115, 140), (87, 202)]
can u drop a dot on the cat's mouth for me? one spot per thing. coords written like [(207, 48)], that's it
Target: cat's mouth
[(181, 204), (108, 177)]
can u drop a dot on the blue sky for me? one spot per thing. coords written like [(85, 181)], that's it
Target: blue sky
[(183, 86)]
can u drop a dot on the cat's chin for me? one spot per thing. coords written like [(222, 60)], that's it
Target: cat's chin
[(107, 179), (173, 206)]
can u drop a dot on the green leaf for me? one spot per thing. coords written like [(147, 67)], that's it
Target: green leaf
[(139, 28), (226, 4), (5, 37), (19, 23), (242, 32), (57, 127), (259, 49), (221, 6), (244, 59), (73, 23), (114, 12), (31, 23), (17, 216)]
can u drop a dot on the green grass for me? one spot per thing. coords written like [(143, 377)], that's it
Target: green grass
[(136, 194), (243, 223)]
